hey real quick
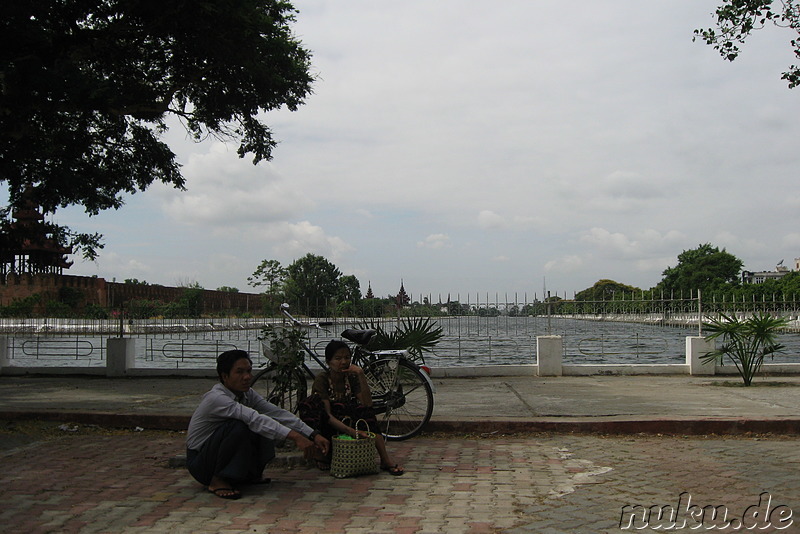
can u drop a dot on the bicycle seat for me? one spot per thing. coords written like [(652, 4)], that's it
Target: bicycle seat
[(362, 337)]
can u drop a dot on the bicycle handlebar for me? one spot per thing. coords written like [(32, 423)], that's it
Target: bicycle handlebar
[(318, 326)]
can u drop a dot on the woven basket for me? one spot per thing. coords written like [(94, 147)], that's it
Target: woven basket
[(355, 456)]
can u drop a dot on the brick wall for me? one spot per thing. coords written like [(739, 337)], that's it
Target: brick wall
[(112, 294)]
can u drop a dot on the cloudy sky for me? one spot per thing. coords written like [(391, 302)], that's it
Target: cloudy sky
[(471, 148)]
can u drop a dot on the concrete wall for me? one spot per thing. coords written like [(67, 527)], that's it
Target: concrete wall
[(121, 362)]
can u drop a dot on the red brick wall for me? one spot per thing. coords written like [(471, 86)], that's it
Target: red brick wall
[(112, 294)]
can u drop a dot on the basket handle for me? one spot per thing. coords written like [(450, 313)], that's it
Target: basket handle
[(347, 418), (358, 436)]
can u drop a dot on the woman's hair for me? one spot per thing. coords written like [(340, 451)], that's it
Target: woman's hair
[(226, 360), (333, 347)]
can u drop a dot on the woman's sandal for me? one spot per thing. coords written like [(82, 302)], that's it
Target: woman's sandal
[(394, 470), (226, 493)]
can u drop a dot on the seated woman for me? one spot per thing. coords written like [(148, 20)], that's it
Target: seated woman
[(339, 393)]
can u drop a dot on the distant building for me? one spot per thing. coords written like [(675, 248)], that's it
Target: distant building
[(750, 277)]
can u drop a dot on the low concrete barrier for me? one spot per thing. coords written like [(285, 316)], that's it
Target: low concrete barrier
[(120, 362)]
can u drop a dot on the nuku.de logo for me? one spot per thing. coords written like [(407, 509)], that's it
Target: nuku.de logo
[(686, 515)]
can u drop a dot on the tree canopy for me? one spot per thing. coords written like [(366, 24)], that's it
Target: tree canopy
[(269, 273), (705, 267), (86, 87), (349, 288), (737, 19), (311, 281), (605, 289)]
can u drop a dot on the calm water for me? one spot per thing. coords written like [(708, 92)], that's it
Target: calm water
[(468, 341)]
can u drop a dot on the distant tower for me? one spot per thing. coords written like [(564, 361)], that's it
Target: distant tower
[(28, 245), (369, 294), (402, 298)]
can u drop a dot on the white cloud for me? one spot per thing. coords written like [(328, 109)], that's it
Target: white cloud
[(297, 239), (570, 263), (225, 191), (488, 220), (123, 267), (435, 241), (643, 243)]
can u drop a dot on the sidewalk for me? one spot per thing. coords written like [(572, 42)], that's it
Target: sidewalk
[(656, 404), (476, 478)]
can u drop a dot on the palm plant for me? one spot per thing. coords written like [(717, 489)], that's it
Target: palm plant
[(745, 342), (417, 335)]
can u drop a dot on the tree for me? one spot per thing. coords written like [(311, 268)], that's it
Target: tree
[(349, 288), (737, 19), (228, 289), (605, 290), (312, 281), (704, 268), (348, 295), (86, 87), (269, 273), (272, 274)]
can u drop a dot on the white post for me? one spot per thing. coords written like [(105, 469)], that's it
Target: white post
[(120, 355), (549, 354), (3, 353), (695, 348)]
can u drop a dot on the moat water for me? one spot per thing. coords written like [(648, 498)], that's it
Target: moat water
[(468, 341)]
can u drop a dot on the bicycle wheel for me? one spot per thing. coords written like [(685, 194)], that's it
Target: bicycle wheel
[(284, 391), (401, 396)]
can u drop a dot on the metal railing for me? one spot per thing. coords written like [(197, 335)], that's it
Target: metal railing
[(495, 330)]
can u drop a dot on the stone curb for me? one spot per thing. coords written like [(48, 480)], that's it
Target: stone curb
[(672, 426)]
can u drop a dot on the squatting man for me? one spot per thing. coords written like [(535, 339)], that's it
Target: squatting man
[(232, 433)]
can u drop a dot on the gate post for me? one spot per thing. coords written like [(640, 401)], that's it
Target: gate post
[(120, 355), (549, 354), (695, 348), (3, 353)]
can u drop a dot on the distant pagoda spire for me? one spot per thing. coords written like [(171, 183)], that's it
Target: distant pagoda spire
[(402, 297)]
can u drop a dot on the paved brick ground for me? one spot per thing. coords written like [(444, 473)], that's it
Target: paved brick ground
[(94, 481)]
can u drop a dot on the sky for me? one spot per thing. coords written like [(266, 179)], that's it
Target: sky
[(473, 148)]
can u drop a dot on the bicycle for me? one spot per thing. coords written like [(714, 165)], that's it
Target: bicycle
[(402, 391)]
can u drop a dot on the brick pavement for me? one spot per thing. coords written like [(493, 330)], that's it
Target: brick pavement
[(91, 481)]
